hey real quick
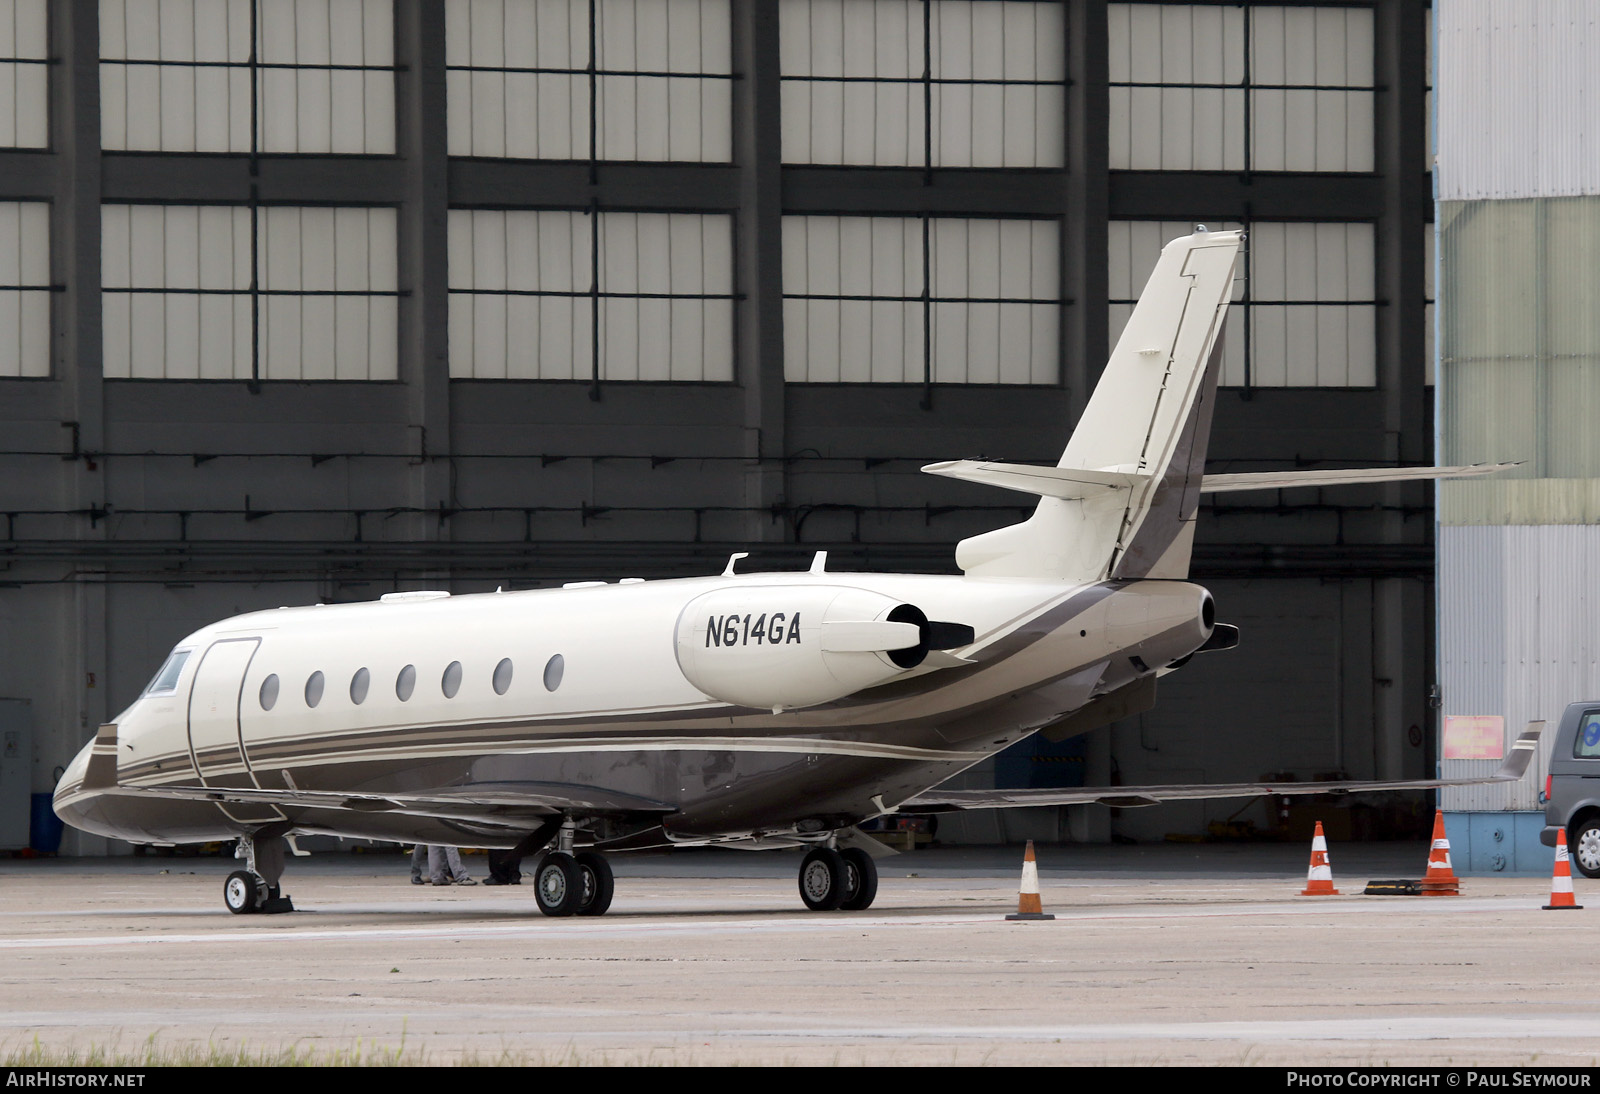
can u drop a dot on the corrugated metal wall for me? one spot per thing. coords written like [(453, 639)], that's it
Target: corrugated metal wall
[(1516, 638), (1517, 87), (1518, 369)]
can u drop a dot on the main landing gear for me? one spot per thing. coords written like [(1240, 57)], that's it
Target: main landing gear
[(567, 884), (255, 888), (846, 880), (563, 883)]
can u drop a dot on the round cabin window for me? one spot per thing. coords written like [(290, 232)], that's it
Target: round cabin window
[(359, 684), (314, 689), (269, 692)]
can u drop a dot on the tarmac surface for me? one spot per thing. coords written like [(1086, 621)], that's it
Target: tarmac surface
[(1163, 955)]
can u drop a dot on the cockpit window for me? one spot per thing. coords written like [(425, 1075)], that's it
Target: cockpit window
[(166, 681)]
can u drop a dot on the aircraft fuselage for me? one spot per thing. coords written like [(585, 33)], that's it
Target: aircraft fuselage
[(720, 708)]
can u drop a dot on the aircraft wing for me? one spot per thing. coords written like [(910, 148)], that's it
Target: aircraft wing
[(1125, 797)]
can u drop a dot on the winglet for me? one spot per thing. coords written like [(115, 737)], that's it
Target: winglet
[(1522, 750), (101, 773)]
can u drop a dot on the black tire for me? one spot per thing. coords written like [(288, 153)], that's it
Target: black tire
[(861, 880), (242, 892), (598, 883), (823, 878), (1583, 842), (558, 884)]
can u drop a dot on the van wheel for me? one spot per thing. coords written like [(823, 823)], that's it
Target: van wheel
[(1586, 847)]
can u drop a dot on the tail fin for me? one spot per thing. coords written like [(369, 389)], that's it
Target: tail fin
[(1121, 502)]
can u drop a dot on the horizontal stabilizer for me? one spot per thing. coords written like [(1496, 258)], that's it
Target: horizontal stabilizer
[(1282, 480), (1127, 797), (1046, 482)]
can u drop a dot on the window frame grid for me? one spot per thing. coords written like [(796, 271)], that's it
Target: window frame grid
[(594, 293), (928, 81), (592, 88), (254, 291), (928, 301), (45, 61), (48, 288), (256, 68), (1246, 85)]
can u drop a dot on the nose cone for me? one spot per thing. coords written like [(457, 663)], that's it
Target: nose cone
[(82, 809)]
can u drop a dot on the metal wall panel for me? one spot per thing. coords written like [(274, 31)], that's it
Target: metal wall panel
[(1517, 83), (1519, 350), (1516, 637)]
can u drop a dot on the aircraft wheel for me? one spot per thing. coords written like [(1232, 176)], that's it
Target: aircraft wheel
[(598, 883), (558, 884), (861, 880), (823, 879), (242, 892)]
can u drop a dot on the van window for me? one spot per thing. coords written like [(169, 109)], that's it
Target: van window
[(167, 679), (1587, 745)]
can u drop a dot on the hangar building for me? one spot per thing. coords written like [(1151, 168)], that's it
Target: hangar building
[(317, 299)]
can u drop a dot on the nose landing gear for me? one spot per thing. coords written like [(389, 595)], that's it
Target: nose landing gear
[(255, 888)]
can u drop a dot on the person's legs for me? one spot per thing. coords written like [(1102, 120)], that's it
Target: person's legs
[(457, 875), (419, 856)]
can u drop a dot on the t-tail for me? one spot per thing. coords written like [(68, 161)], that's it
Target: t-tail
[(1122, 501)]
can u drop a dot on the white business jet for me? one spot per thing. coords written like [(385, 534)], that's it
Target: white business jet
[(763, 709)]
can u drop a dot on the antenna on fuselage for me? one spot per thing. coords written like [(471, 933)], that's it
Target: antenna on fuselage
[(819, 562), (735, 557)]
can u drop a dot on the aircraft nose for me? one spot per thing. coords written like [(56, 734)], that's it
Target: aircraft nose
[(82, 810)]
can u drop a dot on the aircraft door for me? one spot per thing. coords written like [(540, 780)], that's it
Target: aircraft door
[(215, 745)]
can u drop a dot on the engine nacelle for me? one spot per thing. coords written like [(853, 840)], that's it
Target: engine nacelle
[(784, 646)]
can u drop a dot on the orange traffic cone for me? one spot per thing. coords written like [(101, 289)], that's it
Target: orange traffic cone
[(1028, 905), (1440, 880), (1561, 878), (1319, 879)]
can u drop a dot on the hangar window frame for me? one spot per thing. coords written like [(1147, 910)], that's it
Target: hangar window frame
[(595, 293), (1248, 90), (592, 76), (928, 302), (377, 139), (930, 81), (255, 291), (27, 288), (25, 64)]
